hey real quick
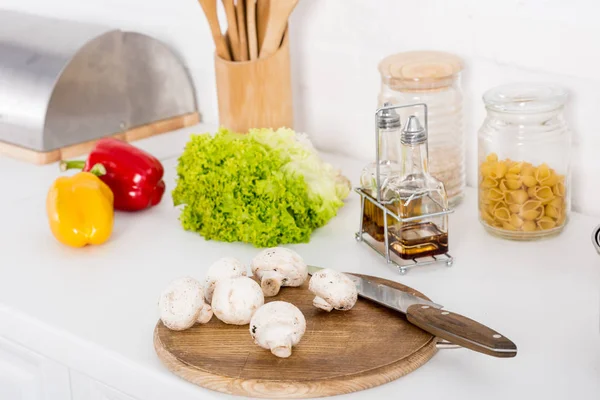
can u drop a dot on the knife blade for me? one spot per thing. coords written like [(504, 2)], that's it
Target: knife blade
[(431, 317)]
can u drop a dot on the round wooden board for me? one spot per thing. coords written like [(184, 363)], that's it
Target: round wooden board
[(341, 351)]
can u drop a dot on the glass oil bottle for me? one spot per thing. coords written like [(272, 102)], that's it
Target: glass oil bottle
[(414, 193), (388, 124)]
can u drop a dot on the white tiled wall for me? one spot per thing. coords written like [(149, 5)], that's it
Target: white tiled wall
[(336, 45)]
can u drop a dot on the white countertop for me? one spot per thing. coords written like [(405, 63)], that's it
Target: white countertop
[(94, 309)]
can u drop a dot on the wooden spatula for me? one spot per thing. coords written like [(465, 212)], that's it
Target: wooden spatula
[(279, 12), (241, 20), (262, 17), (210, 10), (232, 29), (251, 25)]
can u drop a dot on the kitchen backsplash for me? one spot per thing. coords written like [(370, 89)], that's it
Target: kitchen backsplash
[(337, 44)]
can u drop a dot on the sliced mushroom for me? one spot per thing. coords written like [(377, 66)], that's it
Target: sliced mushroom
[(277, 326), (235, 300), (277, 267), (333, 289), (227, 267), (182, 304)]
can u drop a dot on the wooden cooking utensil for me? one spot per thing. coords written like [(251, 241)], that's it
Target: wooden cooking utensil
[(279, 12), (251, 26), (262, 17), (341, 351), (210, 10), (232, 29), (241, 24)]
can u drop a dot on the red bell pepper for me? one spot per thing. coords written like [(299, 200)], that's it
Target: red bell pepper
[(134, 176)]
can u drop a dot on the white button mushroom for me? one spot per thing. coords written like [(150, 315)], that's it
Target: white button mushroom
[(235, 300), (333, 289), (181, 304), (277, 326), (227, 267), (277, 267)]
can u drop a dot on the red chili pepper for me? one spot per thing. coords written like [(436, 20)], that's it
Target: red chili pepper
[(134, 176)]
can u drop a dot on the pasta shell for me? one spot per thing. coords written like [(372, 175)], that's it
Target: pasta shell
[(546, 223), (531, 210), (528, 181), (508, 226), (542, 173), (489, 183), (557, 202), (514, 208), (499, 204), (531, 205), (499, 171), (551, 181), (527, 170), (515, 168), (544, 194), (513, 184), (487, 217), (559, 189), (485, 170), (502, 214), (529, 226), (516, 221), (502, 186), (492, 157), (551, 211), (518, 197), (495, 194), (531, 192), (515, 177)]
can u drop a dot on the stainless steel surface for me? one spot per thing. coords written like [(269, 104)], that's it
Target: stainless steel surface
[(444, 344), (388, 296), (413, 133), (64, 82), (389, 118), (596, 238), (382, 294)]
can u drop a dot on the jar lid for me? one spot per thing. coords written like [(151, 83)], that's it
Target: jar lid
[(413, 133), (388, 119), (525, 98), (420, 70)]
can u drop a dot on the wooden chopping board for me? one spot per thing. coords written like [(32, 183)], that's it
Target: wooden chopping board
[(341, 351)]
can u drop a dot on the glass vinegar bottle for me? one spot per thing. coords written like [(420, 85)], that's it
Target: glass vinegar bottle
[(389, 152), (416, 192)]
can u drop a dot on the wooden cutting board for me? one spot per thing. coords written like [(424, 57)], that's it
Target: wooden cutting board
[(341, 352)]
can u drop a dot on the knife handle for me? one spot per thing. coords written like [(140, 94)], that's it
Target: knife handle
[(460, 330)]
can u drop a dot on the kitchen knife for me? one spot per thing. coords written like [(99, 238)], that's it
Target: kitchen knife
[(431, 317)]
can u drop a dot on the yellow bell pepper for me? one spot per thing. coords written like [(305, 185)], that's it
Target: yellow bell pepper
[(80, 209)]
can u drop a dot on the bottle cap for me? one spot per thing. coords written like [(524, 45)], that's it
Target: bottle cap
[(413, 133), (388, 119)]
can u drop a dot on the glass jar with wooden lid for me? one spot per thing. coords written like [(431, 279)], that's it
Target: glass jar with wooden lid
[(524, 151), (433, 78)]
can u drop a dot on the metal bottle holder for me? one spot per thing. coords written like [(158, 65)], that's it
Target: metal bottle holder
[(402, 265)]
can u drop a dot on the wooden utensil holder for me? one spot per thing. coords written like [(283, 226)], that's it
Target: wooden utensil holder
[(256, 94)]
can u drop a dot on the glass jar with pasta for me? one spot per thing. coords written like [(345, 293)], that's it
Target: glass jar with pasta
[(524, 162)]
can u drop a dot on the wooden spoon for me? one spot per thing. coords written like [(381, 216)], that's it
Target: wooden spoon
[(251, 25), (232, 29), (279, 12), (210, 10), (241, 20), (262, 17)]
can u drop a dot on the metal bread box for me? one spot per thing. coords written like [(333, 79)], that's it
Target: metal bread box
[(64, 83)]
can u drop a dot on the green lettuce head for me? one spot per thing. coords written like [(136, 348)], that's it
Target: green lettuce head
[(266, 187)]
